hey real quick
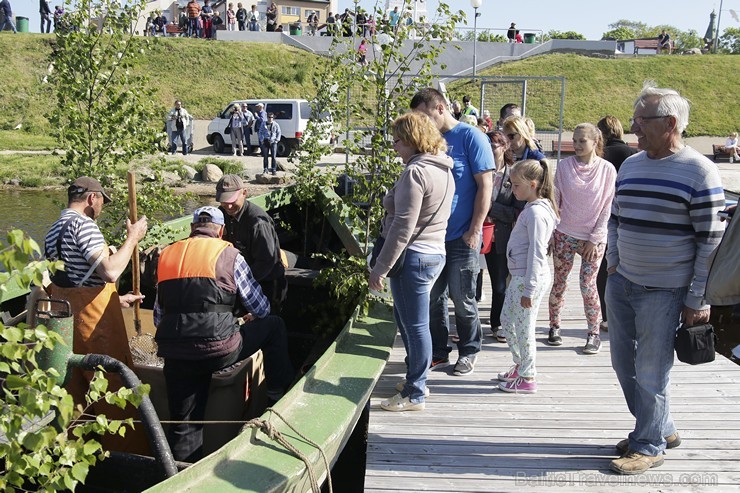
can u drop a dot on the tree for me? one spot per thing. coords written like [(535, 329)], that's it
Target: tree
[(639, 29), (619, 33), (564, 35), (729, 42), (363, 101), (103, 118), (54, 455)]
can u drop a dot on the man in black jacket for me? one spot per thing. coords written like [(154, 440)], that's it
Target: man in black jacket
[(252, 231)]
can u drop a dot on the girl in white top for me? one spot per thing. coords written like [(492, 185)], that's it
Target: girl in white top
[(526, 254)]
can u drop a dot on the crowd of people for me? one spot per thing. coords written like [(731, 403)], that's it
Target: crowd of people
[(646, 221)]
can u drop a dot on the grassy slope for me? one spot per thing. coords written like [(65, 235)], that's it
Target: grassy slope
[(206, 75), (595, 87)]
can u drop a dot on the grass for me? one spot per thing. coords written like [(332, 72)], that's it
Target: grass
[(206, 75), (30, 170), (595, 87)]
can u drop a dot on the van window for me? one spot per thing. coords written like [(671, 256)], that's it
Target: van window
[(282, 111)]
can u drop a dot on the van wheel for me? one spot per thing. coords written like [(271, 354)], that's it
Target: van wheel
[(283, 148), (218, 144)]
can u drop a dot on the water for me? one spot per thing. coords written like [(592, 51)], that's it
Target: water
[(34, 211)]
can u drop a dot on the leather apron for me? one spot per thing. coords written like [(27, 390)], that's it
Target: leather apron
[(99, 328)]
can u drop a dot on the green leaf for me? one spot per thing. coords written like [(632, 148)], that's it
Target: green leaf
[(79, 471)]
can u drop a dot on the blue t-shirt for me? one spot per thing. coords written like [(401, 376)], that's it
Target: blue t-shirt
[(471, 152)]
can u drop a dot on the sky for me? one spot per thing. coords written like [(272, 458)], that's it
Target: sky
[(591, 19)]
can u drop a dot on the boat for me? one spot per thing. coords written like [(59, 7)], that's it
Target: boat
[(293, 445)]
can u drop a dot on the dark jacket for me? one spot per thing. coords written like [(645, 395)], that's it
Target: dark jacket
[(44, 8), (504, 211), (197, 294), (616, 151), (252, 232)]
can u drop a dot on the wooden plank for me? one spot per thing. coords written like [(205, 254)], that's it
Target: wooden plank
[(472, 437)]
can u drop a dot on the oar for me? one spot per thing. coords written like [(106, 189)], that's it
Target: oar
[(135, 257)]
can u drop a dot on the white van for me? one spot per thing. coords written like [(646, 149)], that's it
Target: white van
[(291, 114)]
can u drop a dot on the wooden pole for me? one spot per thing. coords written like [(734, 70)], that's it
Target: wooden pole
[(135, 268)]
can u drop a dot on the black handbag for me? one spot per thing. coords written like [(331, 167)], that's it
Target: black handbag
[(695, 345), (398, 266), (227, 130)]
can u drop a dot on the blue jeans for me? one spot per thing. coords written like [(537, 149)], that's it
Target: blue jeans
[(411, 310), (8, 20), (642, 330), (181, 135), (272, 148), (458, 279)]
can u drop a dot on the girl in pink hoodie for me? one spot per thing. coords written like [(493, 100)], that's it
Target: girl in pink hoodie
[(584, 188)]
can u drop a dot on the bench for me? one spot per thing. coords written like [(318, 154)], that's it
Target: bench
[(648, 44), (173, 30), (566, 146), (720, 153)]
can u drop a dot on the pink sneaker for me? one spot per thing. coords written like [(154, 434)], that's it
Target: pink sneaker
[(519, 386), (510, 375)]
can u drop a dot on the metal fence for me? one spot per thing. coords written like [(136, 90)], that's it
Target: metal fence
[(541, 98)]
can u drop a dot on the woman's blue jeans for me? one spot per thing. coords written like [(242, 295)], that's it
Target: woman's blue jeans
[(411, 309)]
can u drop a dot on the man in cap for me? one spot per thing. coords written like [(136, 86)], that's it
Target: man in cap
[(252, 231), (88, 283), (200, 280), (260, 117)]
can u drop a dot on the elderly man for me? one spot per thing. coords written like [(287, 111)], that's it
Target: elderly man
[(200, 280), (664, 225), (88, 283), (473, 167), (252, 231)]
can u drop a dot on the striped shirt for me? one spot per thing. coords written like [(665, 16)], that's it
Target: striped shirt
[(250, 292), (80, 243), (664, 222)]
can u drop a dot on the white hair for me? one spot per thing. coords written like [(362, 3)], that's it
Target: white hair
[(670, 103)]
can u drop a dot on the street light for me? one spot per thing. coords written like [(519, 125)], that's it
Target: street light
[(476, 5)]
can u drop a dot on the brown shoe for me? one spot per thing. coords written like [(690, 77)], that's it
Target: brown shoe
[(672, 441), (635, 463)]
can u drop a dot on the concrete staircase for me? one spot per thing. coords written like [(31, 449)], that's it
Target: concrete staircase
[(457, 57)]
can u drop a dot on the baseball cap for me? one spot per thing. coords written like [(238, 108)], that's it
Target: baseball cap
[(228, 188), (86, 184), (208, 214)]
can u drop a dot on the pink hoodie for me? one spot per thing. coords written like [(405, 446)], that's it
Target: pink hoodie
[(584, 194)]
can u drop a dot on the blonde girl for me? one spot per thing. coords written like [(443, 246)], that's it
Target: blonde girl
[(526, 252), (584, 186)]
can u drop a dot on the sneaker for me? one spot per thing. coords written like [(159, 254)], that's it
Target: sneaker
[(264, 171), (274, 172), (398, 403), (554, 339), (519, 386), (593, 344), (635, 463), (465, 365), (672, 441), (440, 362), (499, 335), (400, 385), (510, 375), (604, 326)]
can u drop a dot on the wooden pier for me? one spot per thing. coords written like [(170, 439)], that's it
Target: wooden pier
[(474, 438)]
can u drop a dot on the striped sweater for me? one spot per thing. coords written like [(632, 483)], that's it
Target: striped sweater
[(664, 221)]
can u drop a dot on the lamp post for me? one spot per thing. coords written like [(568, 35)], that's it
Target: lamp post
[(476, 5)]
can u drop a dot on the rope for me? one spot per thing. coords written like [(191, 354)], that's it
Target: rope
[(268, 429)]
